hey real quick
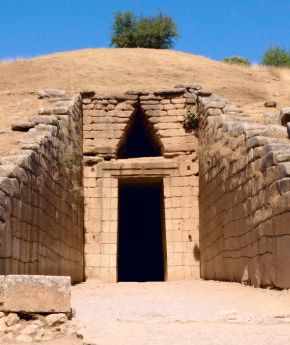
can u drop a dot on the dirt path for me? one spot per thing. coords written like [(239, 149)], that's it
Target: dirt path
[(181, 313), (73, 340)]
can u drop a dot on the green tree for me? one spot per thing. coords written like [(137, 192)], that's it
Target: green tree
[(124, 30), (237, 60), (131, 31), (276, 56)]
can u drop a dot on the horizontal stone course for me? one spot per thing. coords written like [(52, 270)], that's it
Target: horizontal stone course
[(243, 187), (165, 112), (42, 227)]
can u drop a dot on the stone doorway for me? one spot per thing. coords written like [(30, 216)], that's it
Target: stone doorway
[(130, 140), (141, 235)]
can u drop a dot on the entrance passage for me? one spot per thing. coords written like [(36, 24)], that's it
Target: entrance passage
[(141, 253)]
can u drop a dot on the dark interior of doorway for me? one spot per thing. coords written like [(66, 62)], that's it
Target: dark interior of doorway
[(141, 249), (140, 139)]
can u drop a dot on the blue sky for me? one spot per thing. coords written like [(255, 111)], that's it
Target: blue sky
[(216, 29)]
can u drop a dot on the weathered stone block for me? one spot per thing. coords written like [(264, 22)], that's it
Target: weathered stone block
[(270, 104), (37, 294), (168, 106), (282, 255), (177, 112), (152, 106), (283, 170), (124, 106), (150, 97), (170, 92), (23, 126), (178, 100), (257, 141), (284, 185), (204, 93), (155, 113), (10, 186), (50, 93)]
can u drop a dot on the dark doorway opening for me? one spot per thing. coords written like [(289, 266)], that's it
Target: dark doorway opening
[(141, 240), (140, 139)]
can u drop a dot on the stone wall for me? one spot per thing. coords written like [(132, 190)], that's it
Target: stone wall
[(226, 193), (41, 201), (244, 197), (107, 120)]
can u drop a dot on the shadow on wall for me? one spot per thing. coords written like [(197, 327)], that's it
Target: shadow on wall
[(196, 252), (140, 139)]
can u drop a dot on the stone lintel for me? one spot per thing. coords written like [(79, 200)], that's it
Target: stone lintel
[(99, 150), (137, 163), (137, 92)]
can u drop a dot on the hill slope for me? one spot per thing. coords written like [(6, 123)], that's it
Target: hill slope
[(117, 70)]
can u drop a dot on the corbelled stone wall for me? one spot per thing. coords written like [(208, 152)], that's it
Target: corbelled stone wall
[(244, 197), (107, 120), (41, 201)]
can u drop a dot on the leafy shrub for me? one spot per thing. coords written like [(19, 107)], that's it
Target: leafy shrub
[(131, 31), (190, 121), (276, 56), (237, 60)]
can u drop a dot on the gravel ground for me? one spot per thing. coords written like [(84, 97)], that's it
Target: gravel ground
[(181, 313)]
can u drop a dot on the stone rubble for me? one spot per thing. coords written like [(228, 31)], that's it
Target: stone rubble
[(270, 104), (51, 93), (35, 327)]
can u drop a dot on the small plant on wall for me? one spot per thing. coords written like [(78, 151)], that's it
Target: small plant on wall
[(70, 159), (190, 122)]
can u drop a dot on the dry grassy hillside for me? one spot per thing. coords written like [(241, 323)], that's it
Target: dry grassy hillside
[(117, 70)]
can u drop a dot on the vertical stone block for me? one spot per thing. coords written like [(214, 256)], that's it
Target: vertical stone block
[(281, 261)]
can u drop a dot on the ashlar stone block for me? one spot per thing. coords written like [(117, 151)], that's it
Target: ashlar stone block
[(37, 294)]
